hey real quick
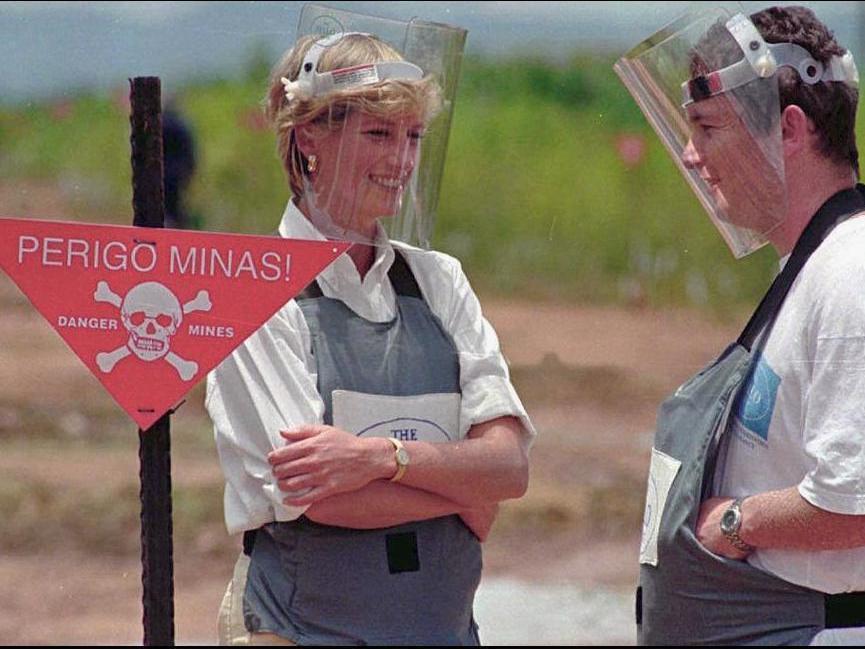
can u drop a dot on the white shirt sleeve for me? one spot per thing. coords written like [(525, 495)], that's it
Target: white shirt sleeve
[(834, 426), (264, 386), (487, 392), (269, 384)]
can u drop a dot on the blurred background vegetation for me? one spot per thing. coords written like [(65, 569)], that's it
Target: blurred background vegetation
[(555, 187), (555, 190)]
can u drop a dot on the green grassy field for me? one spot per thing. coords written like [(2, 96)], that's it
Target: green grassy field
[(536, 200), (537, 204)]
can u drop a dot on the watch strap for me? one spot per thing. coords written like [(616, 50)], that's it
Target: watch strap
[(732, 536), (401, 467)]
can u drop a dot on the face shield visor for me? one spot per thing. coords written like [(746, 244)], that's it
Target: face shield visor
[(707, 83), (372, 105)]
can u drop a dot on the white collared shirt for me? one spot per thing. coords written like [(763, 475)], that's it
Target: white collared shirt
[(269, 383)]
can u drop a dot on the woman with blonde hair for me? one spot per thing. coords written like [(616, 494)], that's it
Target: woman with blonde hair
[(369, 429)]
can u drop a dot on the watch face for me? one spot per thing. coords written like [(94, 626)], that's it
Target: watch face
[(402, 457), (730, 521)]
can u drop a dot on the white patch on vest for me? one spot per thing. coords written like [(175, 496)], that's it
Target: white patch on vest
[(662, 472), (425, 417)]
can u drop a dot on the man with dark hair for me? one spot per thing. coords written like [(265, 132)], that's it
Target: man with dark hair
[(754, 530), (830, 106)]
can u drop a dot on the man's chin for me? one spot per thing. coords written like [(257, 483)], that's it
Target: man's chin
[(757, 221), (737, 215)]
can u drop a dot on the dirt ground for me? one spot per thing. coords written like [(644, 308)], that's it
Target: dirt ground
[(578, 523), (590, 377)]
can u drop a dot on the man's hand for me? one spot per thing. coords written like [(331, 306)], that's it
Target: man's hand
[(709, 529), (320, 461)]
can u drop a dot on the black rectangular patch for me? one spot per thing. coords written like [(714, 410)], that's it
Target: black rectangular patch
[(845, 610), (402, 552)]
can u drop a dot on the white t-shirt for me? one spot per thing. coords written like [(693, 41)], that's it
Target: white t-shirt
[(269, 383), (803, 421)]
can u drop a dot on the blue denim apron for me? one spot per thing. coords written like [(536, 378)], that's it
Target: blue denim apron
[(412, 584)]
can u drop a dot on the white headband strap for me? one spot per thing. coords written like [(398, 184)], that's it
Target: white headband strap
[(762, 60), (311, 83)]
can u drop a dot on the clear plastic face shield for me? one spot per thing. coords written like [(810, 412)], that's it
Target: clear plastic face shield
[(707, 83), (372, 106)]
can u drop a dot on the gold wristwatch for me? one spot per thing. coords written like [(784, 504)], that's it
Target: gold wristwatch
[(400, 454)]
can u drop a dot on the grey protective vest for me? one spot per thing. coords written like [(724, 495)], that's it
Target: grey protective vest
[(693, 596), (409, 584)]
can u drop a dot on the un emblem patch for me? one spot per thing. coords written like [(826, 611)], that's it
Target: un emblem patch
[(757, 398)]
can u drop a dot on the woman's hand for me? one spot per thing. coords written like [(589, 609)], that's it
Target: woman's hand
[(320, 461), (480, 520)]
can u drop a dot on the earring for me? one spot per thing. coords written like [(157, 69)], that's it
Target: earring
[(312, 163)]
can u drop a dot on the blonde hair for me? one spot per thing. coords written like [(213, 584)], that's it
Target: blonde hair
[(386, 99)]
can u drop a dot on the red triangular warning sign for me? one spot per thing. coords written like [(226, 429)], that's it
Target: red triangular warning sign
[(151, 311)]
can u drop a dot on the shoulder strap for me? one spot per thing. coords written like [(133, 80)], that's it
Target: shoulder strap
[(402, 279), (837, 209), (312, 291), (401, 276)]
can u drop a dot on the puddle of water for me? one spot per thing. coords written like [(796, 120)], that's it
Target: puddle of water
[(511, 612)]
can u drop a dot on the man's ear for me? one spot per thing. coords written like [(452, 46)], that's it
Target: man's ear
[(796, 130)]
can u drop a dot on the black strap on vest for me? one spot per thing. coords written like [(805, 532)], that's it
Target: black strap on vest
[(845, 610), (249, 541), (838, 208), (312, 291), (401, 277)]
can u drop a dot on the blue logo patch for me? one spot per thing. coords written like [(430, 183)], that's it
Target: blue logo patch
[(757, 398)]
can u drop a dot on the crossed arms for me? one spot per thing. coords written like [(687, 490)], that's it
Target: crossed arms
[(344, 480)]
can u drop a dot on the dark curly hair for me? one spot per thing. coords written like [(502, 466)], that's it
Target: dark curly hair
[(830, 106)]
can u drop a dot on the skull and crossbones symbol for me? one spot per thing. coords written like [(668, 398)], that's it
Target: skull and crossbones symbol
[(152, 315)]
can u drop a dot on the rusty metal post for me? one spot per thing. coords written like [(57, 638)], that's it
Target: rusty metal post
[(148, 204)]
